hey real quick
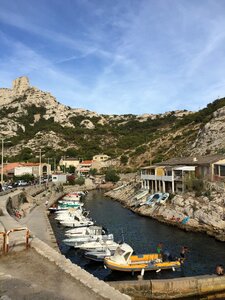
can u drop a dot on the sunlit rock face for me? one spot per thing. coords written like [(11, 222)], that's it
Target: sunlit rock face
[(20, 85)]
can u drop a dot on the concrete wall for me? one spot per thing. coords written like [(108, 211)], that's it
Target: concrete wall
[(198, 287)]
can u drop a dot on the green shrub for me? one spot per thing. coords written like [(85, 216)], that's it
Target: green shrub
[(124, 159), (111, 175), (80, 181)]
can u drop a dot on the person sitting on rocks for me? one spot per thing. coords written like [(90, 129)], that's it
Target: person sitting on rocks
[(173, 218), (219, 270)]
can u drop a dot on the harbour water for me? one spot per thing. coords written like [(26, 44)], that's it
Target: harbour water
[(143, 234)]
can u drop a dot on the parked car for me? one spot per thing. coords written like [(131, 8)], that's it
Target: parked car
[(22, 183)]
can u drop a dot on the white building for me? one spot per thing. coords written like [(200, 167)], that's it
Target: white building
[(59, 178), (101, 157), (69, 161)]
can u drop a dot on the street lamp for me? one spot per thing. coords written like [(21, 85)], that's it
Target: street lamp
[(2, 160)]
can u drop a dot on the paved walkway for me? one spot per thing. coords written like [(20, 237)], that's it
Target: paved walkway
[(28, 275), (38, 223)]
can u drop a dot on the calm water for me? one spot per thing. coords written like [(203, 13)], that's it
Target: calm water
[(143, 234)]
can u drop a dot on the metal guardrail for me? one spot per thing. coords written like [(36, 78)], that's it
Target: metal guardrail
[(15, 230)]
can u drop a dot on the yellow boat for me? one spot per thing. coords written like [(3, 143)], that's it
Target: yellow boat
[(123, 260)]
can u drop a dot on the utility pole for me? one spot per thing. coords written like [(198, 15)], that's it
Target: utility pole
[(40, 167), (48, 173), (2, 162)]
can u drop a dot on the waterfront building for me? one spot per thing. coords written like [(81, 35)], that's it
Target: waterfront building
[(171, 175), (84, 167)]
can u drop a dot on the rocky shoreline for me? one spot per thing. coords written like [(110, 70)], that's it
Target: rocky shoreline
[(206, 214)]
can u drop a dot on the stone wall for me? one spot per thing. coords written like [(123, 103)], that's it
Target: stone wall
[(199, 287)]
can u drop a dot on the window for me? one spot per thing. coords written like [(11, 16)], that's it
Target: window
[(222, 170), (216, 169)]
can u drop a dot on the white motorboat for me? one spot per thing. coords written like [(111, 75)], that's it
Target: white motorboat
[(98, 255), (69, 202), (75, 223), (78, 241), (92, 230), (99, 245), (69, 216)]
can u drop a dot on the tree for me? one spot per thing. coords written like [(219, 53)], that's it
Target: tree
[(71, 169), (26, 177), (93, 172), (111, 175), (71, 152), (124, 159), (80, 180)]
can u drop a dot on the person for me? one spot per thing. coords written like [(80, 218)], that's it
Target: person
[(159, 248), (173, 218), (167, 255), (183, 253), (219, 270), (46, 203)]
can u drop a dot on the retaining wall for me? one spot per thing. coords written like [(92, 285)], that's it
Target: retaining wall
[(198, 287)]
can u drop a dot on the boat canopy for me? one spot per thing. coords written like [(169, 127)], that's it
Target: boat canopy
[(122, 254)]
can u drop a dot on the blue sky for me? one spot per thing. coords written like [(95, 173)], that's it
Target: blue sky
[(117, 56)]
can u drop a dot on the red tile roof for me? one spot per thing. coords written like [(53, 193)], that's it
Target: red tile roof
[(86, 162)]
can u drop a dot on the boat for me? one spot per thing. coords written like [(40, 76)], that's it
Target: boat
[(64, 206), (92, 230), (98, 255), (76, 242), (140, 195), (159, 198), (100, 245), (123, 260), (63, 201), (70, 214), (76, 223), (72, 197)]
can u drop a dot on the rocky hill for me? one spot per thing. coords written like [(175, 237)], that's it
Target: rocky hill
[(32, 119)]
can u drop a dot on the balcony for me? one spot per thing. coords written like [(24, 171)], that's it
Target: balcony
[(159, 178)]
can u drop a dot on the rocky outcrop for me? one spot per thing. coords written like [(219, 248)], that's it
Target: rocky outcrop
[(87, 124), (205, 214), (211, 138), (20, 85)]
